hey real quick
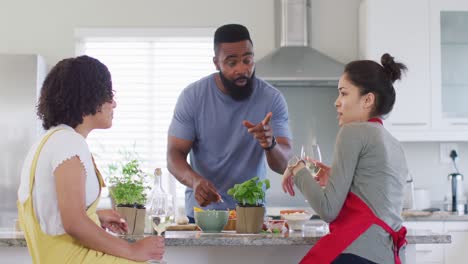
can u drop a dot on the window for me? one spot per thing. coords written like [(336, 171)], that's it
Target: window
[(149, 70)]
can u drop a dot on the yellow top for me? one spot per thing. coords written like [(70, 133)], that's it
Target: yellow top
[(46, 249)]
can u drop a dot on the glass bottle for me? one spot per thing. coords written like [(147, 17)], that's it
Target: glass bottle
[(160, 205)]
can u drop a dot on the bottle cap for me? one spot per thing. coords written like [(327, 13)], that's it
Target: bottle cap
[(157, 172)]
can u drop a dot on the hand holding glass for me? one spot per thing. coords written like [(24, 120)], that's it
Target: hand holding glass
[(311, 152), (159, 224)]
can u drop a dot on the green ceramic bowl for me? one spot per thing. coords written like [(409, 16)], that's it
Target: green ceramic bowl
[(211, 221)]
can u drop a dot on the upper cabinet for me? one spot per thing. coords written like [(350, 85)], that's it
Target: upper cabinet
[(431, 38), (449, 54)]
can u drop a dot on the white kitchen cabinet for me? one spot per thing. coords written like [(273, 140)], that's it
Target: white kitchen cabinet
[(457, 251), (428, 253), (454, 253), (385, 27), (425, 110), (449, 58)]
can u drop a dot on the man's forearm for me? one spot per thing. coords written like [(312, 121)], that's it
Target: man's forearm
[(182, 171), (278, 157)]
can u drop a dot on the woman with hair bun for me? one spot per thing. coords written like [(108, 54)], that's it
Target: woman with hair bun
[(361, 194)]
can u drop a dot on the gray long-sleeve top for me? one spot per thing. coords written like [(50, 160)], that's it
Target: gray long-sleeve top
[(369, 162)]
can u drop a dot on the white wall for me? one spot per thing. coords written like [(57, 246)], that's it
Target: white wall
[(47, 26)]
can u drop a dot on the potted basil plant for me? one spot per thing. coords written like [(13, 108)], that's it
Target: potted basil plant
[(128, 192), (250, 197)]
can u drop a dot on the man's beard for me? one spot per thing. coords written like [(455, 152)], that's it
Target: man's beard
[(237, 92)]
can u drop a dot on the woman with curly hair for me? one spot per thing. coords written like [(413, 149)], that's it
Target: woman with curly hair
[(60, 185), (361, 195)]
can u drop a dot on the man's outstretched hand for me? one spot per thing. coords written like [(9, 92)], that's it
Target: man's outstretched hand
[(261, 131)]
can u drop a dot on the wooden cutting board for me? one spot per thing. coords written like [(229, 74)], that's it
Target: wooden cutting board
[(187, 227)]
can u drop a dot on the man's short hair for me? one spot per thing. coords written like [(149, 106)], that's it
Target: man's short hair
[(230, 33)]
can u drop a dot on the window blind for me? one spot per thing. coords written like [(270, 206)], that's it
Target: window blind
[(148, 74)]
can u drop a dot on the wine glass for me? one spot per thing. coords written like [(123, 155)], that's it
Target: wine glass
[(311, 152), (159, 224)]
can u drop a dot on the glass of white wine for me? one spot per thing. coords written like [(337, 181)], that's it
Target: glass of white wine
[(311, 152), (159, 224)]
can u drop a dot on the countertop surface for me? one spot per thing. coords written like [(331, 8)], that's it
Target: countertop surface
[(10, 238), (407, 215), (435, 216)]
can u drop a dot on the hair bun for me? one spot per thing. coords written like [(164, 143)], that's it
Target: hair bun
[(392, 69)]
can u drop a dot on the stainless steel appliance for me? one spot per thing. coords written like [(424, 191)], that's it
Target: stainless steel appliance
[(294, 63), (21, 77), (455, 199)]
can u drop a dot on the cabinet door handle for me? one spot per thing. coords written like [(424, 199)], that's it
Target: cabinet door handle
[(409, 124), (459, 123), (427, 251), (457, 230)]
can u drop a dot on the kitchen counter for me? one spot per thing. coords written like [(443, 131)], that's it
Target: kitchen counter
[(10, 238), (436, 216), (226, 247)]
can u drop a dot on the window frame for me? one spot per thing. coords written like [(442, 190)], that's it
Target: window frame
[(82, 35)]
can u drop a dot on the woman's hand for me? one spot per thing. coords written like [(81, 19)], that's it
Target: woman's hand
[(112, 220), (149, 248), (288, 181), (324, 172), (294, 165)]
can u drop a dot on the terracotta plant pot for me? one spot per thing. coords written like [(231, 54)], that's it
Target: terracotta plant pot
[(135, 219), (249, 219)]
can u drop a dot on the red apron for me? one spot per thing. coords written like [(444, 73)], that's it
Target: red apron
[(353, 220)]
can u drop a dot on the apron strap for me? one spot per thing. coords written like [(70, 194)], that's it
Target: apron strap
[(376, 120), (32, 172), (398, 238), (101, 183), (98, 174), (354, 219)]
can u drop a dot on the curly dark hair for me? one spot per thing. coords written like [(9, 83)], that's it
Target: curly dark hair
[(74, 88)]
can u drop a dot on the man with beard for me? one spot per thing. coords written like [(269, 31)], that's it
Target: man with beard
[(229, 122)]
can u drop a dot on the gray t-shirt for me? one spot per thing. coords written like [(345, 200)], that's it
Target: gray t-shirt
[(369, 162), (222, 150)]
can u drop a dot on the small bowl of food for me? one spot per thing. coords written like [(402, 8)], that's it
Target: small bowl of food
[(277, 226), (232, 220), (211, 221), (295, 218)]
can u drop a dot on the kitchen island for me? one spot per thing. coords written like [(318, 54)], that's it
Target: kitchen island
[(226, 247)]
